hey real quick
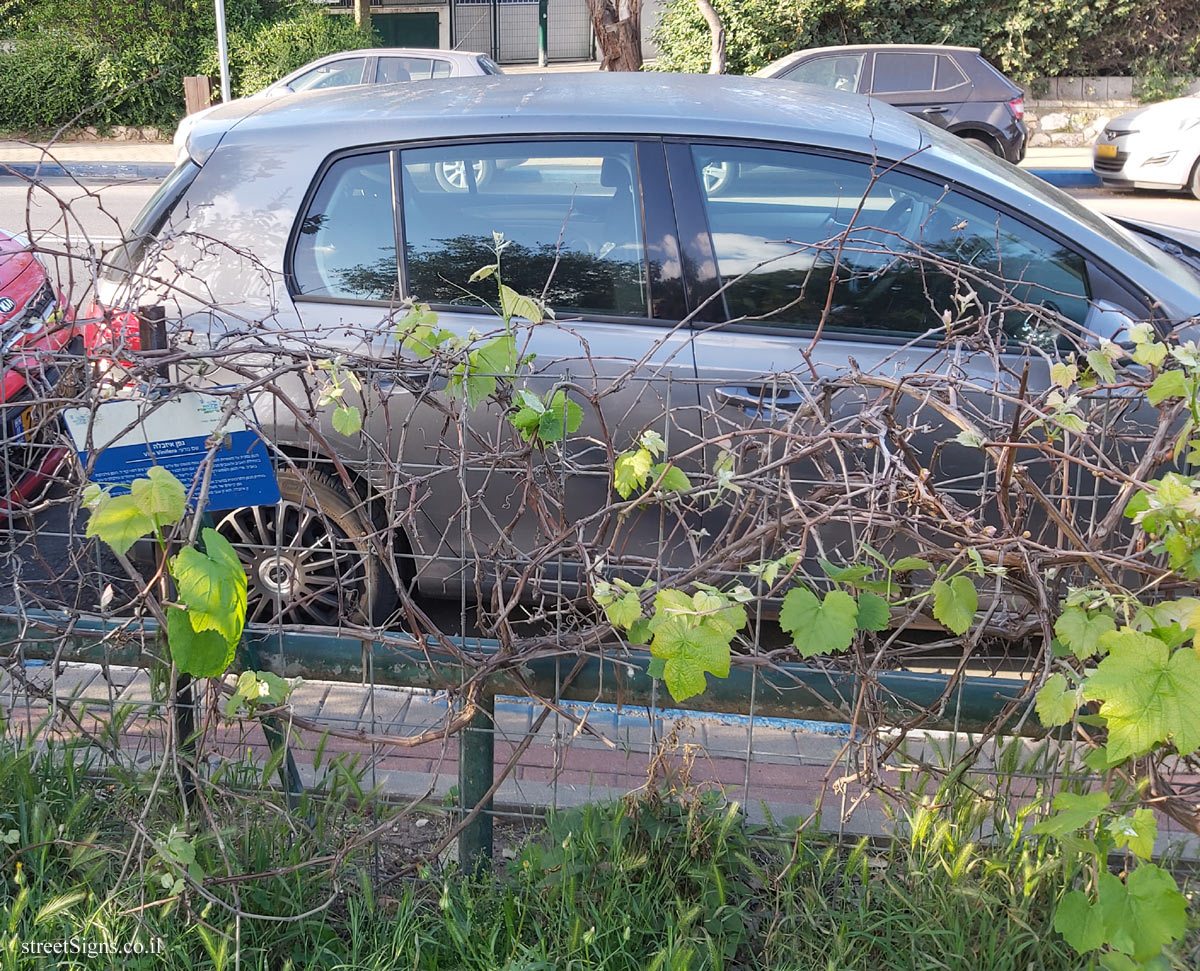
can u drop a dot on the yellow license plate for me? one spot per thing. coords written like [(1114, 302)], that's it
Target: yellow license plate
[(1106, 151)]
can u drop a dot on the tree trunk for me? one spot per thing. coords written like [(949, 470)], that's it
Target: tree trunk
[(620, 38), (362, 14), (716, 63)]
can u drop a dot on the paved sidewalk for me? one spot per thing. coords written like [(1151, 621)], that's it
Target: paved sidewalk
[(770, 766)]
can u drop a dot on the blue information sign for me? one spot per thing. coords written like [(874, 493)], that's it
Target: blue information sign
[(129, 435)]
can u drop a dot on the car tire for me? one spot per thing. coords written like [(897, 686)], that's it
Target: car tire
[(1194, 184), (310, 558), (450, 175), (983, 145)]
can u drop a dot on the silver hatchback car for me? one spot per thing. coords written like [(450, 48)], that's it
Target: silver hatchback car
[(696, 305)]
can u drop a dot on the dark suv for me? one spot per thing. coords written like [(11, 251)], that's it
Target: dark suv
[(953, 87)]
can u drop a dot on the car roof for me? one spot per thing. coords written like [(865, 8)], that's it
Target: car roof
[(624, 103)]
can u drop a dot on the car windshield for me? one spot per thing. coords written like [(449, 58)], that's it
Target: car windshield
[(124, 257), (1171, 267)]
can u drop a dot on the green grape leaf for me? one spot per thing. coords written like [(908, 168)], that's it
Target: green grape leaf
[(906, 563), (819, 627), (674, 479), (1151, 353), (639, 631), (1080, 633), (623, 611), (160, 496), (874, 612), (347, 420), (119, 522), (561, 417), (689, 652), (1072, 811), (630, 471), (845, 574), (1079, 922), (526, 421), (1070, 422), (955, 603), (513, 304), (1149, 694), (203, 653), (1169, 384), (483, 272), (1057, 701), (1064, 375), (1100, 362), (213, 585), (1144, 913), (1137, 831), (657, 668)]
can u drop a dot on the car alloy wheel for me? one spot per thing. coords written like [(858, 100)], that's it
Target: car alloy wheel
[(309, 559)]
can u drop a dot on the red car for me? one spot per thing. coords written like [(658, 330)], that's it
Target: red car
[(37, 331)]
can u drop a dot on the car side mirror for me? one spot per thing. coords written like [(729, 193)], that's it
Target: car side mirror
[(1107, 320)]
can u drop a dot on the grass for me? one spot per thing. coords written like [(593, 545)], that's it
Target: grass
[(668, 882)]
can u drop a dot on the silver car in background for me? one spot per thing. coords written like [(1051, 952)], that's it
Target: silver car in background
[(374, 65), (1153, 147)]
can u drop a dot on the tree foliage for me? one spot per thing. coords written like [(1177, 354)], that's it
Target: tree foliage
[(1025, 38), (123, 62)]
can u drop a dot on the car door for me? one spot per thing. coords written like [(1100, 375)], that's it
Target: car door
[(858, 321), (922, 83), (588, 227)]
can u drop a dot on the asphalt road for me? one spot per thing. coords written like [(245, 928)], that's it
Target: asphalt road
[(98, 212)]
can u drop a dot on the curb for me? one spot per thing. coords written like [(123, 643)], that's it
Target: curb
[(1069, 178), (87, 170)]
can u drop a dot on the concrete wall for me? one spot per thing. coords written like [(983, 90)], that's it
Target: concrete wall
[(1071, 112)]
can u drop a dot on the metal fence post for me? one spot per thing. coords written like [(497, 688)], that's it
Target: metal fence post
[(476, 760), (543, 43)]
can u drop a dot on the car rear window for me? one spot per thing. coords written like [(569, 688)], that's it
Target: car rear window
[(346, 247)]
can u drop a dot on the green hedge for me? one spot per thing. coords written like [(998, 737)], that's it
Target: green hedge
[(1025, 38), (122, 62), (44, 83)]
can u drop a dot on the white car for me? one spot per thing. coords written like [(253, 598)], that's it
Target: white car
[(374, 65), (1154, 147)]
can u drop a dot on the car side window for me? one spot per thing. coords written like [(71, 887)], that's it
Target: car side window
[(569, 210), (885, 251), (393, 69), (839, 72), (346, 246), (902, 72), (949, 75), (334, 75)]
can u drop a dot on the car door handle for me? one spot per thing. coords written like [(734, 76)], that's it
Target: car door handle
[(941, 110), (760, 402)]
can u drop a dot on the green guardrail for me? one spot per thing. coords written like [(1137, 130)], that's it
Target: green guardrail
[(936, 702)]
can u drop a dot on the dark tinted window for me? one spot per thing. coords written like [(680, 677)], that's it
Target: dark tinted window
[(840, 72), (948, 73), (916, 258), (347, 242), (334, 75), (570, 210), (902, 72), (488, 66)]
